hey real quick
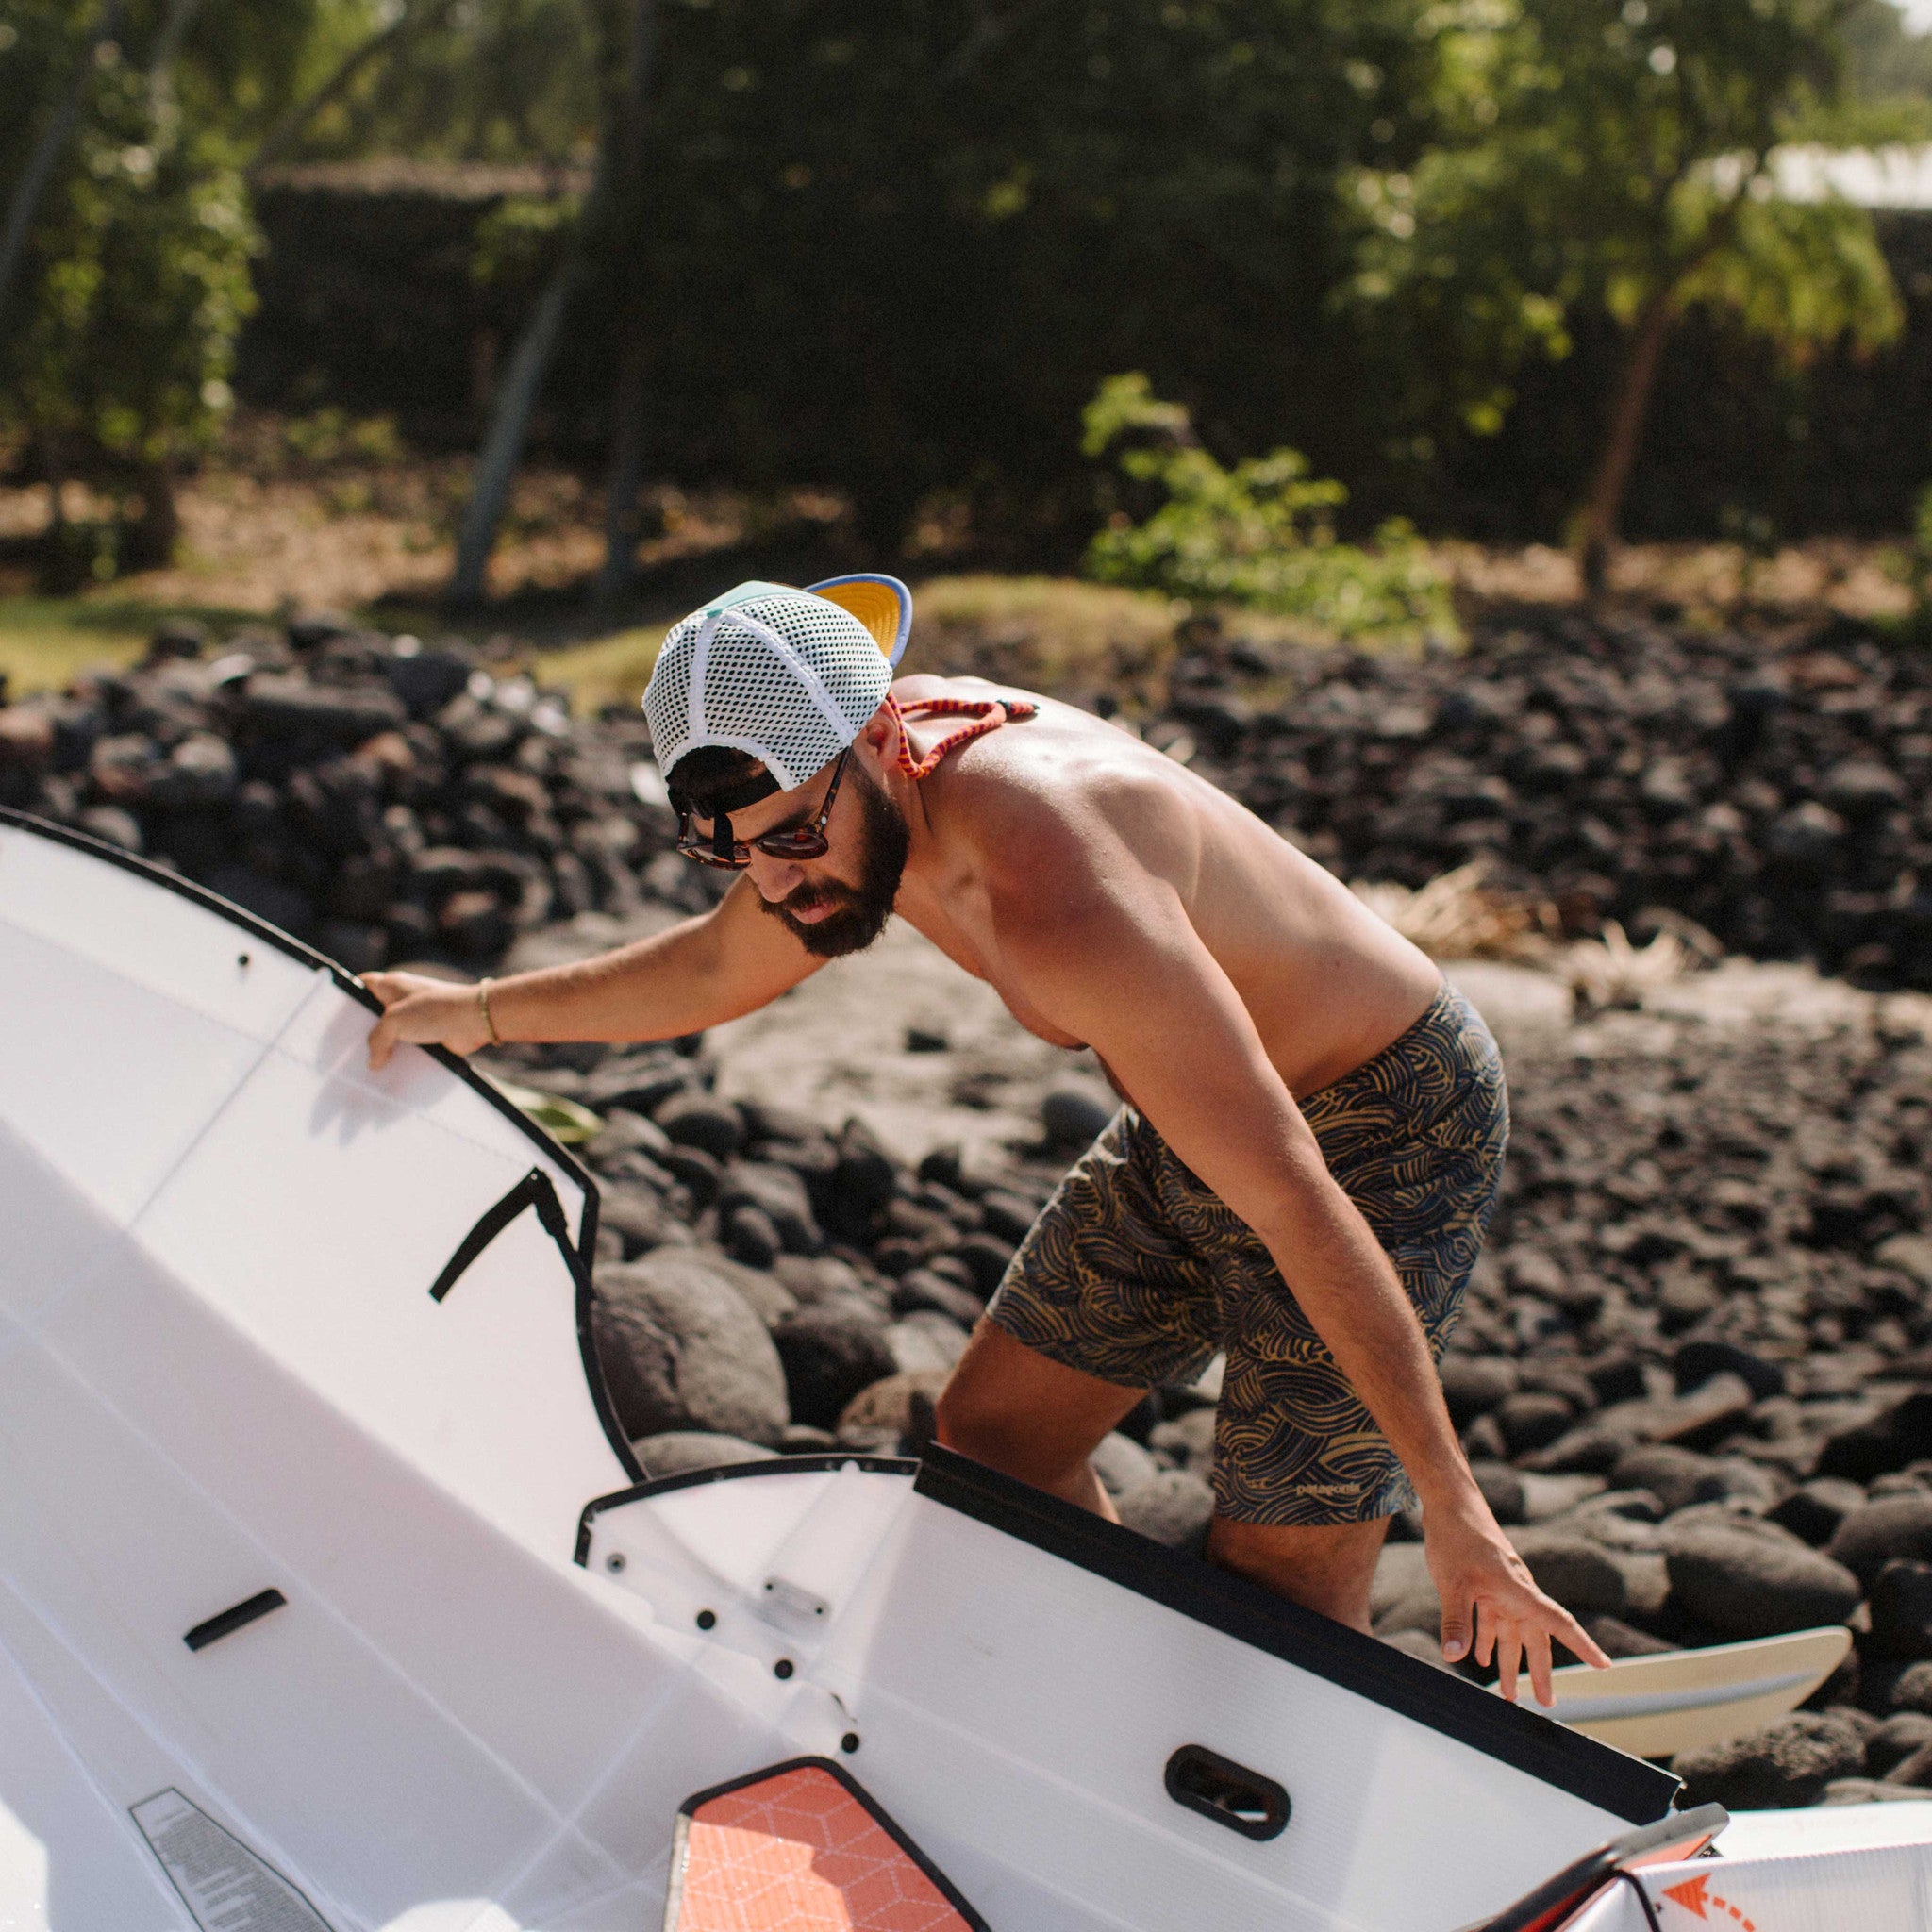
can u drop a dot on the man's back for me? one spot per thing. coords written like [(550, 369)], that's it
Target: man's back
[(1068, 809)]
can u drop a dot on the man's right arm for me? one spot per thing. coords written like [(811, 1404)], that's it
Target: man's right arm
[(697, 974)]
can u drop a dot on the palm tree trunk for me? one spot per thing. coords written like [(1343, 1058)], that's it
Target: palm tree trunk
[(509, 423), (47, 152), (1629, 407), (621, 525)]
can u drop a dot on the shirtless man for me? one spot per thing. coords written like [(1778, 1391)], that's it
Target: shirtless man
[(1315, 1122)]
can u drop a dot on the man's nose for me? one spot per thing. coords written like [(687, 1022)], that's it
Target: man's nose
[(775, 878)]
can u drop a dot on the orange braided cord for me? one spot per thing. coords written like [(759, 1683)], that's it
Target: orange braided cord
[(988, 713)]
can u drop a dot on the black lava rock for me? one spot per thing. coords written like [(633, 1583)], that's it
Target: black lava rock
[(1748, 1578), (1787, 1764), (831, 1353)]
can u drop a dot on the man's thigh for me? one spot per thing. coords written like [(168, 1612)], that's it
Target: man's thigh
[(1009, 1406), (1325, 1567)]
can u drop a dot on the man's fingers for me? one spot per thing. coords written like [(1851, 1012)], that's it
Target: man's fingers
[(1572, 1634), (382, 1042), (1485, 1631), (1538, 1645), (1508, 1651), (1455, 1632)]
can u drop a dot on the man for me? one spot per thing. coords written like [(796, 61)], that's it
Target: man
[(1314, 1122)]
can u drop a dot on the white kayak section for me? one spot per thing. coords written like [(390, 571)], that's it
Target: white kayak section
[(1681, 1699), (1866, 1888), (328, 1601)]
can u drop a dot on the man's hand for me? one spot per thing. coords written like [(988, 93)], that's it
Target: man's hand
[(1486, 1586), (424, 1012)]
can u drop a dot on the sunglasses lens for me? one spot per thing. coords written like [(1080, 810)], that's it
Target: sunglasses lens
[(805, 844)]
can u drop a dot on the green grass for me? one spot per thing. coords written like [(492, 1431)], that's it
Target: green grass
[(611, 670), (45, 643), (1048, 633)]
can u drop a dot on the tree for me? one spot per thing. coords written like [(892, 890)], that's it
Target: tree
[(136, 288), (129, 225), (1614, 160)]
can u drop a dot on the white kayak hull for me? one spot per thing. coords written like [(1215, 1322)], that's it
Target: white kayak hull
[(328, 1598)]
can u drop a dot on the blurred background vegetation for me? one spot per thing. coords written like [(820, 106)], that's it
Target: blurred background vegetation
[(814, 277)]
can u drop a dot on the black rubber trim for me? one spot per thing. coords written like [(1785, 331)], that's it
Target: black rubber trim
[(1623, 1786), (536, 1189), (346, 982), (236, 1617), (817, 1462), (874, 1810)]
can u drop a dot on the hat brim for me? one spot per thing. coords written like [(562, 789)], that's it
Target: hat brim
[(883, 605)]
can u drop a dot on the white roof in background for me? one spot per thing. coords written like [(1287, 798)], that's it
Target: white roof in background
[(1897, 176)]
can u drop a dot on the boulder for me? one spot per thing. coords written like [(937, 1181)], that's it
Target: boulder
[(1901, 1434), (925, 1340), (1911, 1690), (683, 1350), (1694, 1363), (1587, 1579), (1786, 1764), (1073, 1112), (703, 1121), (1901, 1606), (777, 1193), (887, 1404), (1531, 1419), (1172, 1507), (1744, 1577), (1871, 1535), (1402, 1595), (988, 1256), (924, 1288), (677, 1452), (1814, 1510), (1914, 1773), (1121, 1464), (1675, 1476), (345, 714), (1473, 1385), (1896, 1740), (830, 1353), (1616, 1638)]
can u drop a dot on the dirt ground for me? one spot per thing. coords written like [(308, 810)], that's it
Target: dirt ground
[(333, 519)]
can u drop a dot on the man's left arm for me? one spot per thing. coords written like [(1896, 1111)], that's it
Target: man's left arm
[(1127, 973)]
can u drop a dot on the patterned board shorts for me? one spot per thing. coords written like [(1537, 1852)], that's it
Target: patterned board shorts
[(1136, 1274)]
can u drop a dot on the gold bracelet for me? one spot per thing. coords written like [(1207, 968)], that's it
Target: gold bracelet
[(483, 987)]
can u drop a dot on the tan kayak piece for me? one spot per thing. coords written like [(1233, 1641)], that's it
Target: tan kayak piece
[(1655, 1707)]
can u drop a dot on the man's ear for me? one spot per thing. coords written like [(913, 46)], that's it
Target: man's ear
[(880, 730)]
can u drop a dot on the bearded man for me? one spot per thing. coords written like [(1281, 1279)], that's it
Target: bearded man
[(1314, 1122)]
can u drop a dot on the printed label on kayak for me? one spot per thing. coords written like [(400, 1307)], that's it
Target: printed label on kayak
[(221, 1882)]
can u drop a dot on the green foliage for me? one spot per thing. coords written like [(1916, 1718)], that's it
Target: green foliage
[(140, 284), (1598, 159), (1918, 563), (1260, 534), (1887, 65)]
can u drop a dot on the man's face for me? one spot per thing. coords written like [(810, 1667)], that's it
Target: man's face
[(838, 904)]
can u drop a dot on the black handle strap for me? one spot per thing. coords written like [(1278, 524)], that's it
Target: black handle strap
[(536, 1189)]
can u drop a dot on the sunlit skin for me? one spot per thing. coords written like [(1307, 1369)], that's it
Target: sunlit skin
[(1115, 900)]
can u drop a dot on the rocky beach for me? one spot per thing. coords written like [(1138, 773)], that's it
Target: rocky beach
[(1694, 1375)]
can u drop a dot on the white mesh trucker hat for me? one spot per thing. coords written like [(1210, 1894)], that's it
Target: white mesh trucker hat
[(790, 676)]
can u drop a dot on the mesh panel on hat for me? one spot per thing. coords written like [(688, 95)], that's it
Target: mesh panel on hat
[(667, 699), (757, 684), (838, 648), (750, 691)]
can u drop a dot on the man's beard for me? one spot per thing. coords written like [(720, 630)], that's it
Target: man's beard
[(859, 912)]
